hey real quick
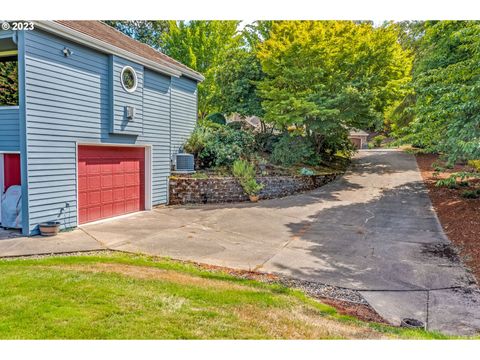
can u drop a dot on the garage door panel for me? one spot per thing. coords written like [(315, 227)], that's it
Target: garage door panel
[(107, 181), (117, 168), (82, 168), (131, 205), (93, 182), (119, 194), (130, 179), (94, 212), (107, 196), (111, 181), (82, 213), (82, 198), (356, 142), (106, 168), (118, 180), (107, 210), (119, 207), (132, 192), (93, 167), (93, 198), (82, 182)]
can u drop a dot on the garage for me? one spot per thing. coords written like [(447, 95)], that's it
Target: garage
[(358, 138), (111, 181), (356, 142)]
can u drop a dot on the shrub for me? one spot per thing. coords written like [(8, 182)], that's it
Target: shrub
[(265, 142), (456, 179), (217, 118), (475, 164), (245, 174), (306, 172), (471, 194), (235, 125), (242, 169), (197, 141), (224, 146), (251, 187), (292, 150), (377, 140)]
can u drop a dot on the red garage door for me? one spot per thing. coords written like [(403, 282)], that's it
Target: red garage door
[(111, 181)]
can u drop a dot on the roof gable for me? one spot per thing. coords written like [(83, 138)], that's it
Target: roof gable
[(99, 32)]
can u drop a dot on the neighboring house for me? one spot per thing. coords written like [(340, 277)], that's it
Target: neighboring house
[(358, 138), (99, 119), (252, 122)]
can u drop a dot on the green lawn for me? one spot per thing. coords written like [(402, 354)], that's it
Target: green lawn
[(120, 296)]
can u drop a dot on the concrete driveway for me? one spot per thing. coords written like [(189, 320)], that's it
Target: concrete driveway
[(373, 230)]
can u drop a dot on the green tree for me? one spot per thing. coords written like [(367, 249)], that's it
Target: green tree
[(447, 86), (411, 33), (8, 83), (323, 77), (203, 46), (256, 33), (149, 31), (237, 81), (402, 112)]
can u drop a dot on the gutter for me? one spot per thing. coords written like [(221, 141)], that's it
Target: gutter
[(104, 47)]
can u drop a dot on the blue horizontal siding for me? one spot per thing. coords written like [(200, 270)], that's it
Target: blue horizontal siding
[(67, 100), (122, 98), (156, 119), (74, 99), (184, 111), (9, 129)]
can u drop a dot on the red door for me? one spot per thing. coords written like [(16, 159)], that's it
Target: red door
[(11, 163), (111, 181)]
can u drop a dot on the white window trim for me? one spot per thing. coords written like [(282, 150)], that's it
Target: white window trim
[(125, 68)]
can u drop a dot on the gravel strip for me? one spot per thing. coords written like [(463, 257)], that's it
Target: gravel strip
[(317, 290)]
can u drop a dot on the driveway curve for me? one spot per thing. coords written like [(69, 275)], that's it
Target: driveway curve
[(373, 231)]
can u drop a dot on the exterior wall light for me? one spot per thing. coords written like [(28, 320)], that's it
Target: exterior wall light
[(67, 52)]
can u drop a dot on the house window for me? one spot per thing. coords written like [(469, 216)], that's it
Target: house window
[(128, 78), (8, 78)]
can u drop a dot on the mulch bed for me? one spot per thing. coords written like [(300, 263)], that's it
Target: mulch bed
[(460, 217), (360, 311)]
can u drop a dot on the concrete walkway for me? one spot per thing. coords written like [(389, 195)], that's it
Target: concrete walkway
[(373, 231)]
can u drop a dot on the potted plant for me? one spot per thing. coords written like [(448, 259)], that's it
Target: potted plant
[(245, 174), (49, 228), (252, 189)]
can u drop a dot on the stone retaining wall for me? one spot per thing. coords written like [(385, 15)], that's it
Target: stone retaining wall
[(188, 190)]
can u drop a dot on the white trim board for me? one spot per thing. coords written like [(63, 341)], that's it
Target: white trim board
[(104, 47)]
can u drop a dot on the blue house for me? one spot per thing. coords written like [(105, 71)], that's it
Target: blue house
[(94, 122)]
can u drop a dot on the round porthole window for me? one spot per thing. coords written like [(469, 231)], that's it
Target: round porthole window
[(128, 78)]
